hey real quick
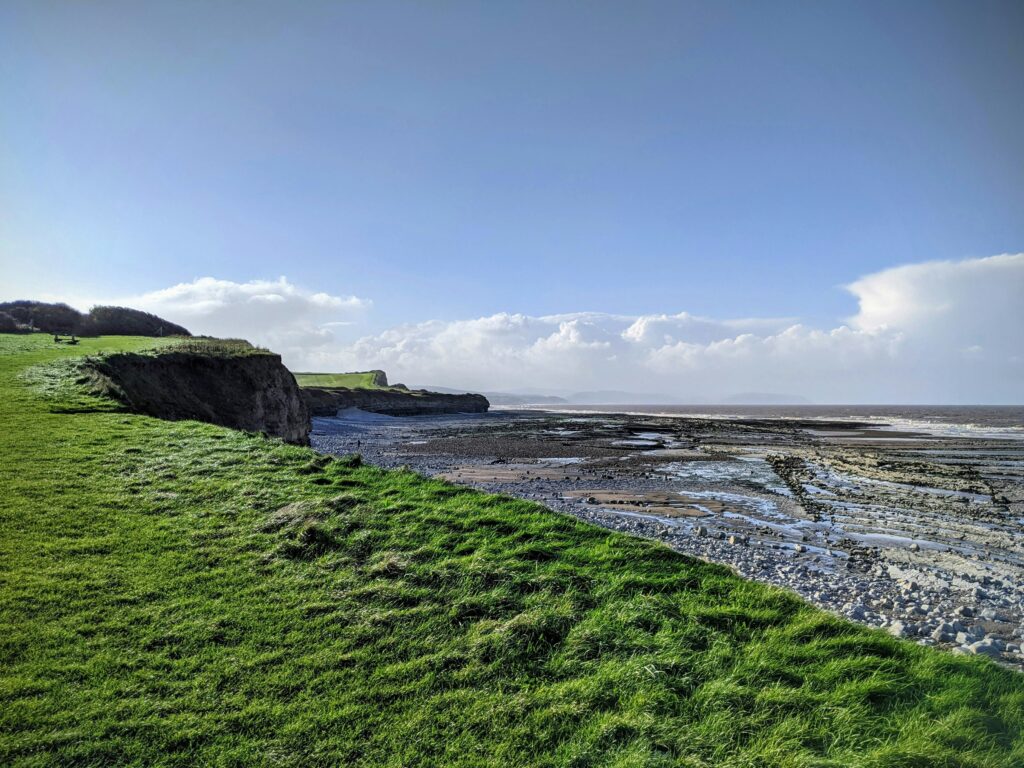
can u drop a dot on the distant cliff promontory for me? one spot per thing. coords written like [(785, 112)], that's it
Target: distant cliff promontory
[(328, 393)]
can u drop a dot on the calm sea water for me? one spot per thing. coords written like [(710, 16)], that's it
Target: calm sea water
[(994, 420)]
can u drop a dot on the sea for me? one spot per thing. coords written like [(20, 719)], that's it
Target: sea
[(996, 421)]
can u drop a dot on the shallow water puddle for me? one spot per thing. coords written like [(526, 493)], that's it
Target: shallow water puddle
[(749, 471)]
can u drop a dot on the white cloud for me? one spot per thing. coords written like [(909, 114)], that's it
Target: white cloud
[(272, 313), (929, 332), (948, 305)]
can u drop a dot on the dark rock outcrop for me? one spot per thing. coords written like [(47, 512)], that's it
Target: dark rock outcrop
[(327, 402), (254, 392)]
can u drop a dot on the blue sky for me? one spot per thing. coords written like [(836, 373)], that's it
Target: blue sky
[(449, 161)]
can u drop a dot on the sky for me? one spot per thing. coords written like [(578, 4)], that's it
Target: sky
[(817, 198)]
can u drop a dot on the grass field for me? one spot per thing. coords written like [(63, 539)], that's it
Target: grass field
[(175, 593), (365, 380)]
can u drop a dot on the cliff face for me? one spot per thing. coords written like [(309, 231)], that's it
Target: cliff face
[(251, 392), (327, 402)]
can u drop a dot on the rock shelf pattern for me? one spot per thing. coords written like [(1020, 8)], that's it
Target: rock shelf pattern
[(922, 535)]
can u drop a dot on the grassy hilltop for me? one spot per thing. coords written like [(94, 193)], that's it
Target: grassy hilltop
[(358, 380), (175, 593)]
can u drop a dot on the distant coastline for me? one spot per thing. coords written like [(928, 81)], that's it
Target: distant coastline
[(962, 420)]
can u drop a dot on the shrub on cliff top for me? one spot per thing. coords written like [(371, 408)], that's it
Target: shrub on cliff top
[(210, 347), (42, 316), (124, 321), (100, 321)]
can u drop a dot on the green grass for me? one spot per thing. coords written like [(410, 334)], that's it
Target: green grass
[(218, 347), (365, 380), (175, 593)]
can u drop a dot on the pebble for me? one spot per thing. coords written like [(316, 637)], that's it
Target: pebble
[(984, 648), (898, 629)]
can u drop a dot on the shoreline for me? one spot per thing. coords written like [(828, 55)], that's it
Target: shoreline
[(881, 423), (921, 549)]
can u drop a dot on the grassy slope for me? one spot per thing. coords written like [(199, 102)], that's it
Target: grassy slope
[(349, 380), (159, 607)]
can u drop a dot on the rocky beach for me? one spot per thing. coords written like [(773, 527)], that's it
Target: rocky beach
[(912, 531)]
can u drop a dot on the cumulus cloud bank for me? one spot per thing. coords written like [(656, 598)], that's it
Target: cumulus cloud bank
[(930, 332), (274, 313)]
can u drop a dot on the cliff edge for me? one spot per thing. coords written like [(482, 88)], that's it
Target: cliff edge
[(238, 387)]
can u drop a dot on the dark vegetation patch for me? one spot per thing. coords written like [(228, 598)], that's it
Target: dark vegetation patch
[(176, 593), (25, 316)]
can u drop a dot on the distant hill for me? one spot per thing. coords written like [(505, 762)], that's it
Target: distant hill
[(25, 316)]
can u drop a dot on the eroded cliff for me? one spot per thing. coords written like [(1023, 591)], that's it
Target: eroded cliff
[(251, 391)]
